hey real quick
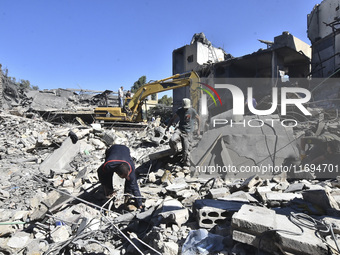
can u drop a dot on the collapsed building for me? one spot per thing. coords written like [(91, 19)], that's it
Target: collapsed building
[(286, 55), (51, 201)]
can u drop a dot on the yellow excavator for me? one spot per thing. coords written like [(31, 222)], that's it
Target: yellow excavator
[(132, 110)]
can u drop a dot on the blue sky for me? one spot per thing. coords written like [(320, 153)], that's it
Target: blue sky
[(105, 44)]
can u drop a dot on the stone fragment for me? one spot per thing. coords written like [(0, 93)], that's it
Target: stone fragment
[(170, 248), (152, 177), (218, 193), (59, 160), (281, 186), (251, 182), (320, 197), (177, 185), (295, 187), (173, 211), (36, 247), (252, 224), (61, 233), (280, 197), (253, 219), (19, 240), (307, 243), (240, 196), (7, 229)]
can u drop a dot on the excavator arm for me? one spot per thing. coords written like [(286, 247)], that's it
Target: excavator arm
[(133, 110)]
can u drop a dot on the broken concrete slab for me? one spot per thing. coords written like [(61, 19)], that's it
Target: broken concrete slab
[(295, 187), (240, 196), (59, 160), (19, 240), (61, 233), (218, 193), (253, 223), (281, 197), (251, 182), (306, 243), (177, 185), (253, 219)]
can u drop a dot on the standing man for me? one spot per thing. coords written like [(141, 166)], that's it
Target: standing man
[(187, 116), (121, 96), (118, 160)]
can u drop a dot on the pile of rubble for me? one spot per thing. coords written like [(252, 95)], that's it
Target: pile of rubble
[(51, 201)]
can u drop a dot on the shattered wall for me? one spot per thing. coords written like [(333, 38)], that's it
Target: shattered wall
[(323, 31), (191, 57), (286, 55)]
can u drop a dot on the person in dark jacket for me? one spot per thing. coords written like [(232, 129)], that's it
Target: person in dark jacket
[(118, 160), (187, 116)]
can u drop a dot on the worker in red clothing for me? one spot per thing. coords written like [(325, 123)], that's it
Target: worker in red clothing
[(119, 161)]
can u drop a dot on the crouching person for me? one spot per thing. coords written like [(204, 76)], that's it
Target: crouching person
[(119, 161)]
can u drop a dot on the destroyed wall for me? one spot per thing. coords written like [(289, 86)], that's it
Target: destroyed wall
[(323, 32), (190, 57), (287, 55)]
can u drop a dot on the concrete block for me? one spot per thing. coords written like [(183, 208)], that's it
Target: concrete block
[(51, 198), (217, 193), (179, 184), (253, 219), (307, 243), (19, 240), (229, 206), (173, 211), (250, 182), (209, 217), (334, 221), (251, 223), (282, 197), (98, 144), (281, 186), (36, 247), (59, 160), (61, 233), (210, 213), (267, 244), (170, 248), (152, 177), (240, 196), (295, 187)]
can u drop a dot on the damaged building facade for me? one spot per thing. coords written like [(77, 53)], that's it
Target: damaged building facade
[(323, 25), (286, 61), (286, 55), (323, 32)]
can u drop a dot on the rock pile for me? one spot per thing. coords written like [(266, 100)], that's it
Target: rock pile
[(51, 202)]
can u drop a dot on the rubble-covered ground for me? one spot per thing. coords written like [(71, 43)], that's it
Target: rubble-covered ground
[(51, 202)]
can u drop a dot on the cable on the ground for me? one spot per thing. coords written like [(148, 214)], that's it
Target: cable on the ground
[(303, 220)]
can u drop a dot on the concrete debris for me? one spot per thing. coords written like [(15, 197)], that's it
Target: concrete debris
[(262, 227), (51, 201)]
